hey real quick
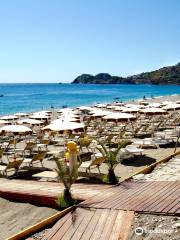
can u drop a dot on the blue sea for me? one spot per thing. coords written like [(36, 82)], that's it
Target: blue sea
[(35, 97)]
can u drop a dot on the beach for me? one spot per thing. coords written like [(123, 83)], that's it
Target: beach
[(17, 216)]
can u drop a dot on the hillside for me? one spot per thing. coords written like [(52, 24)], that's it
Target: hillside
[(165, 75)]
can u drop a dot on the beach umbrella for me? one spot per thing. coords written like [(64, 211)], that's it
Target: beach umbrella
[(172, 106), (99, 105), (15, 129), (30, 121), (119, 117), (64, 126), (40, 116), (9, 117), (130, 109), (3, 122), (155, 105), (66, 119), (152, 111), (83, 108), (119, 108), (21, 114)]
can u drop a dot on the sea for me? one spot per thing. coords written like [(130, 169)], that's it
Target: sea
[(36, 97)]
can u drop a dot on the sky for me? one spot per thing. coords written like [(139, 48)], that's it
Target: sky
[(57, 40)]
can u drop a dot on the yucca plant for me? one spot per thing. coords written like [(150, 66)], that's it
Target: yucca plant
[(68, 178), (112, 159)]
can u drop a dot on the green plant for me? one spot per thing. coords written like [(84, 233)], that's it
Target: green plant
[(111, 160), (85, 141), (67, 178)]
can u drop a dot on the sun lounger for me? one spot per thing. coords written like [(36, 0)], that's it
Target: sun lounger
[(46, 174), (1, 154), (93, 163), (43, 145), (134, 150), (12, 166), (39, 157), (27, 150)]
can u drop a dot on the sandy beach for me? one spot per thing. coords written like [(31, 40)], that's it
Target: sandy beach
[(17, 216)]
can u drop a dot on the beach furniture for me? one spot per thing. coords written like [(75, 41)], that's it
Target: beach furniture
[(145, 143), (27, 150), (47, 175), (132, 149), (1, 154), (11, 166), (39, 157), (43, 145), (96, 162)]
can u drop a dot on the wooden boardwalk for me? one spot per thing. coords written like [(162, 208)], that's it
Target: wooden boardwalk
[(150, 196), (44, 193), (84, 224)]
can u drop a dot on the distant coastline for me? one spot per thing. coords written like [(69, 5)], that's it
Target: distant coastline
[(166, 75)]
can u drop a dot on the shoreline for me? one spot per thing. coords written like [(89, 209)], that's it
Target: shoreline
[(157, 99)]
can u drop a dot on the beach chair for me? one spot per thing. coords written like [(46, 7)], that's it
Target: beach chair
[(12, 166), (1, 154), (39, 157), (93, 163), (132, 149), (44, 144), (27, 150)]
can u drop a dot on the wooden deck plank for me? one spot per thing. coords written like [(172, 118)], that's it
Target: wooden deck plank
[(141, 196), (56, 227), (139, 200), (100, 225), (151, 196), (105, 235), (117, 225), (82, 227), (164, 199), (92, 224), (37, 192), (68, 224), (121, 190), (127, 198), (80, 217)]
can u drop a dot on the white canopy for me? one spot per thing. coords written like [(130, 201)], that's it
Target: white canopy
[(119, 116), (153, 110), (15, 129), (30, 121), (9, 117), (3, 122), (21, 114), (99, 113), (130, 109), (64, 126), (172, 106)]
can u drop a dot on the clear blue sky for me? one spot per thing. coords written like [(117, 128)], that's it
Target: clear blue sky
[(57, 40)]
